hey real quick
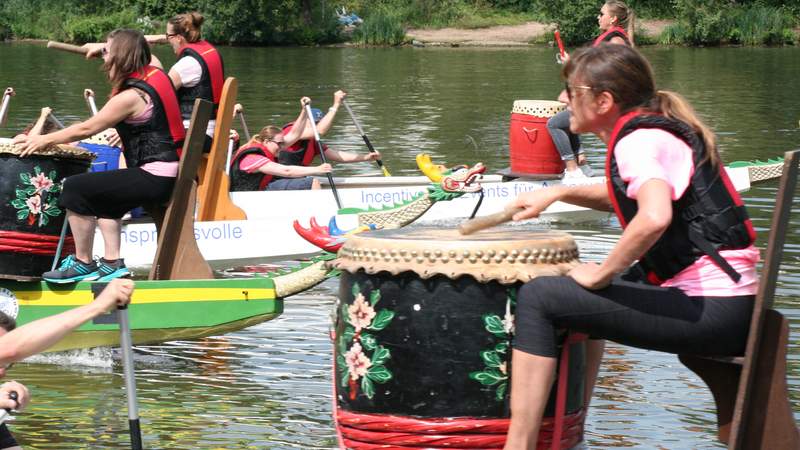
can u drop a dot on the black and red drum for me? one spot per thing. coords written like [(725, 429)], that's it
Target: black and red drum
[(30, 218), (531, 148), (422, 338)]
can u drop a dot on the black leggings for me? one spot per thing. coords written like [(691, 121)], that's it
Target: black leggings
[(634, 314), (112, 193)]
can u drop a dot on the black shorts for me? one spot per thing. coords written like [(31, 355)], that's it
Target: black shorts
[(110, 194)]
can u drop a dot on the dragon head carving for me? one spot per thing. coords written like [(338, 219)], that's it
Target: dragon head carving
[(461, 179)]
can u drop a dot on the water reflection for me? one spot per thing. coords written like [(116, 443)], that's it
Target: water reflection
[(269, 386)]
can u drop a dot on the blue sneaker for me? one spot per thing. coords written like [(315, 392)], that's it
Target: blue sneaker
[(108, 270), (72, 270)]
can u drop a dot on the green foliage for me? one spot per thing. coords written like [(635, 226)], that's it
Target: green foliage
[(576, 19), (95, 28), (715, 22), (380, 28)]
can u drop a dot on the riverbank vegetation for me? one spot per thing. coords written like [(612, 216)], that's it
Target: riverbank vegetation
[(309, 22)]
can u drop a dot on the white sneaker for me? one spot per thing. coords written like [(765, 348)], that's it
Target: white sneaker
[(573, 174), (587, 170)]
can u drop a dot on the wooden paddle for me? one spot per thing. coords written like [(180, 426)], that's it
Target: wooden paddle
[(88, 94), (483, 222), (322, 154), (67, 47), (366, 139), (9, 92), (240, 113)]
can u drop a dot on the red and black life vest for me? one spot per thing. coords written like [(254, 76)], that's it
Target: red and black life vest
[(211, 81), (243, 181), (611, 33), (301, 153), (161, 137), (709, 217)]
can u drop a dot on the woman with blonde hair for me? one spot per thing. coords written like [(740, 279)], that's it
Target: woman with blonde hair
[(144, 110), (614, 15), (255, 166), (682, 277)]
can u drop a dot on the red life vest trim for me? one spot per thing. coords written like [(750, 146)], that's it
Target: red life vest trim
[(247, 148), (213, 62), (162, 84), (615, 29)]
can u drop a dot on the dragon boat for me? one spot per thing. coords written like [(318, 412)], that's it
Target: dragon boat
[(181, 299), (268, 234)]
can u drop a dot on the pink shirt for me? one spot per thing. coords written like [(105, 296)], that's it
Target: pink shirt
[(648, 154), (157, 168), (251, 163)]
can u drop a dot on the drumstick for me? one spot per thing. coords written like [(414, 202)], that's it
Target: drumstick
[(67, 47), (483, 222)]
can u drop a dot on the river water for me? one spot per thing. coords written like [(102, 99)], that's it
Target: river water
[(270, 386)]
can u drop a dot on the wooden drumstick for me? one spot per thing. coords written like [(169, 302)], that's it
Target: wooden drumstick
[(483, 222), (67, 47)]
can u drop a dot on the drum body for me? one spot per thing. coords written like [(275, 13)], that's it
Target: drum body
[(30, 217), (531, 148), (423, 334)]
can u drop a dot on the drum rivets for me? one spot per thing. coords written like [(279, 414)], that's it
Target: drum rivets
[(426, 253), (406, 258), (473, 260), (452, 253), (531, 260), (393, 252), (478, 253), (545, 253), (384, 252), (402, 252), (486, 259), (459, 259), (526, 252), (535, 252), (466, 253), (413, 253), (490, 252), (445, 259), (514, 253), (420, 260), (498, 259), (502, 253), (438, 253)]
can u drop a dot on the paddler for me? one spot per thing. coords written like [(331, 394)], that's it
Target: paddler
[(145, 112), (614, 15)]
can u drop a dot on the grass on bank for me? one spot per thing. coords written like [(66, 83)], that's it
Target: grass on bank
[(753, 25)]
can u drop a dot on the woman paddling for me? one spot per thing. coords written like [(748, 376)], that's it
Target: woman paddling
[(144, 110), (254, 166), (693, 287), (613, 16)]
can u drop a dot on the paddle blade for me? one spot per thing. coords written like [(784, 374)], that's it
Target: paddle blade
[(383, 168)]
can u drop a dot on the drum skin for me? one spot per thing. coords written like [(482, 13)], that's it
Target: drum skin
[(30, 218)]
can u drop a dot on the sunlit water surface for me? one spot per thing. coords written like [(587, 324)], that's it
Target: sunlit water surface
[(270, 386)]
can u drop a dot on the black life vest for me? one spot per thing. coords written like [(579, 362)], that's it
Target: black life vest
[(211, 81), (243, 181), (301, 153), (161, 137), (709, 217), (611, 33)]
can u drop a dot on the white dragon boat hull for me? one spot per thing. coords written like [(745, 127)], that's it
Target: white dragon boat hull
[(268, 234)]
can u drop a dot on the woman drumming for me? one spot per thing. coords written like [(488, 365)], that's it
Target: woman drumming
[(144, 110), (255, 164), (693, 287), (613, 16)]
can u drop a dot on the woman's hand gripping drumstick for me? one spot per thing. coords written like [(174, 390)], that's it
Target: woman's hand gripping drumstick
[(529, 205)]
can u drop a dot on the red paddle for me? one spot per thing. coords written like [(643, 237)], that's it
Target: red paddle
[(560, 43)]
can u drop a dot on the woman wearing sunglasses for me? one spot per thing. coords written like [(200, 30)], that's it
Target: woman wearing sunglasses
[(614, 15), (693, 286)]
